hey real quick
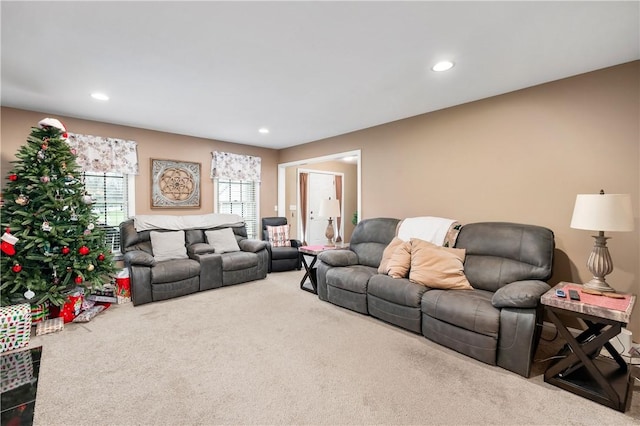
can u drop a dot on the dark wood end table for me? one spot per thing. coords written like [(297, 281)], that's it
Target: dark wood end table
[(310, 270), (580, 369)]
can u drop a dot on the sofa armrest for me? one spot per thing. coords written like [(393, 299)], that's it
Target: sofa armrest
[(139, 258), (520, 294), (339, 257), (200, 248), (252, 245), (296, 243)]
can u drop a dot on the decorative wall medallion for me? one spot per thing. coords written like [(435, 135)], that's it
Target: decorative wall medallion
[(175, 184)]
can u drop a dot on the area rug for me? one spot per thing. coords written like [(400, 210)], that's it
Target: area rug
[(268, 353)]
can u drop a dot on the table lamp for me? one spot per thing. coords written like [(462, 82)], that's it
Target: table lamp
[(329, 208), (602, 212)]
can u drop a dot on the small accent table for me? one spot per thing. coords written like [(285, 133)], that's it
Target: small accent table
[(581, 370), (310, 271)]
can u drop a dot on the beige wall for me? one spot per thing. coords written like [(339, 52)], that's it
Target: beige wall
[(519, 157), (350, 195), (16, 126)]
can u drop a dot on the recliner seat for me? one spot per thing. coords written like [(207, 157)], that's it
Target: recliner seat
[(497, 322)]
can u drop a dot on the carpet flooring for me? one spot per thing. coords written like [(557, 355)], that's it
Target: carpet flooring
[(267, 353)]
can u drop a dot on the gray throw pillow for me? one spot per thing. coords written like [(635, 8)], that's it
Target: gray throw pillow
[(223, 240), (168, 245)]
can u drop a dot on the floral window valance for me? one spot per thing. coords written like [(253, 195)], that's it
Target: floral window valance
[(102, 155), (235, 166)]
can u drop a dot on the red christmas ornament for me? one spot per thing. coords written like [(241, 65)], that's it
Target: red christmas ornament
[(16, 268), (13, 177), (101, 257), (84, 250), (44, 146), (65, 250), (78, 279)]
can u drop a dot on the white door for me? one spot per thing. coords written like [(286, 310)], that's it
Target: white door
[(321, 186)]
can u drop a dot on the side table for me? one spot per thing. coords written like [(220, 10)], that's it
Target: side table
[(310, 271), (581, 370)]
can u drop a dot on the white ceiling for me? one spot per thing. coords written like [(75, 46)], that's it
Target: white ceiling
[(305, 70)]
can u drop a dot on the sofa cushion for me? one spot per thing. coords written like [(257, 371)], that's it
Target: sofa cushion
[(471, 310), (400, 261), (174, 270), (370, 237), (352, 278), (399, 291), (223, 240), (386, 255), (234, 261), (279, 236), (437, 267), (168, 245), (499, 253), (284, 253)]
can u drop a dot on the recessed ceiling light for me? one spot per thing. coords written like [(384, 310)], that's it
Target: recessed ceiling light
[(100, 96), (442, 66), (263, 130)]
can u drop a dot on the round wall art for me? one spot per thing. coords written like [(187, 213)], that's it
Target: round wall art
[(175, 184)]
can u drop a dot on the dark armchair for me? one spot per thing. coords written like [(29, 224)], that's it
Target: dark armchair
[(281, 258)]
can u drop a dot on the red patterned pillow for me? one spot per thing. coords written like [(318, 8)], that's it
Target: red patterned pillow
[(279, 236)]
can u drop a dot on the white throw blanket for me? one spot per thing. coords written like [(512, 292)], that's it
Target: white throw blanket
[(427, 228), (176, 223)]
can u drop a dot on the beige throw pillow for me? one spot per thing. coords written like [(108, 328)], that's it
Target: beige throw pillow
[(386, 255), (223, 240), (400, 261), (437, 267), (168, 245)]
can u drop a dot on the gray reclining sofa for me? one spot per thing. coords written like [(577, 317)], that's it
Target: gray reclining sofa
[(497, 322), (204, 269)]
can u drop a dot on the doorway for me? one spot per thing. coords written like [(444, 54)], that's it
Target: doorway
[(348, 163), (321, 185)]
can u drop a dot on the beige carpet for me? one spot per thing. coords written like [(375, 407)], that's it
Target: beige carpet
[(268, 353)]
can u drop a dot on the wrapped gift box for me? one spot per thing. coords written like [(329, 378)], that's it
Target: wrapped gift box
[(39, 312), (71, 307), (15, 326), (123, 286)]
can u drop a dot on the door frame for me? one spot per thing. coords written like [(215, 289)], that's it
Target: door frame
[(331, 157)]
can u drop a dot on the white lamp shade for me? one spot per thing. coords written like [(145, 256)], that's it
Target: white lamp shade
[(329, 208), (603, 212)]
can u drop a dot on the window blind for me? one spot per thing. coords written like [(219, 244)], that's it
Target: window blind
[(110, 203), (241, 198)]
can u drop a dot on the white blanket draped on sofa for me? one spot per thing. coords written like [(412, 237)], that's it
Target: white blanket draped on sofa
[(427, 228), (176, 223)]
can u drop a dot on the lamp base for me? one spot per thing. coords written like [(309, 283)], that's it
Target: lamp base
[(600, 265), (330, 234), (602, 286)]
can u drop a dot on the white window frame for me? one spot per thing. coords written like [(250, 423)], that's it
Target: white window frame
[(129, 205), (255, 226)]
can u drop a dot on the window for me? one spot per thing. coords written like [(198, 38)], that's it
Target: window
[(241, 198), (110, 194)]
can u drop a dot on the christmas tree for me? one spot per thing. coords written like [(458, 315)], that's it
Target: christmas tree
[(52, 242)]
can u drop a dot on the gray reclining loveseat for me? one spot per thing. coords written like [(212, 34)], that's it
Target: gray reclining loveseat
[(201, 269), (497, 322)]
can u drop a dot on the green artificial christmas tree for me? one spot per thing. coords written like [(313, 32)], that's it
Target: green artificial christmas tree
[(52, 242)]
